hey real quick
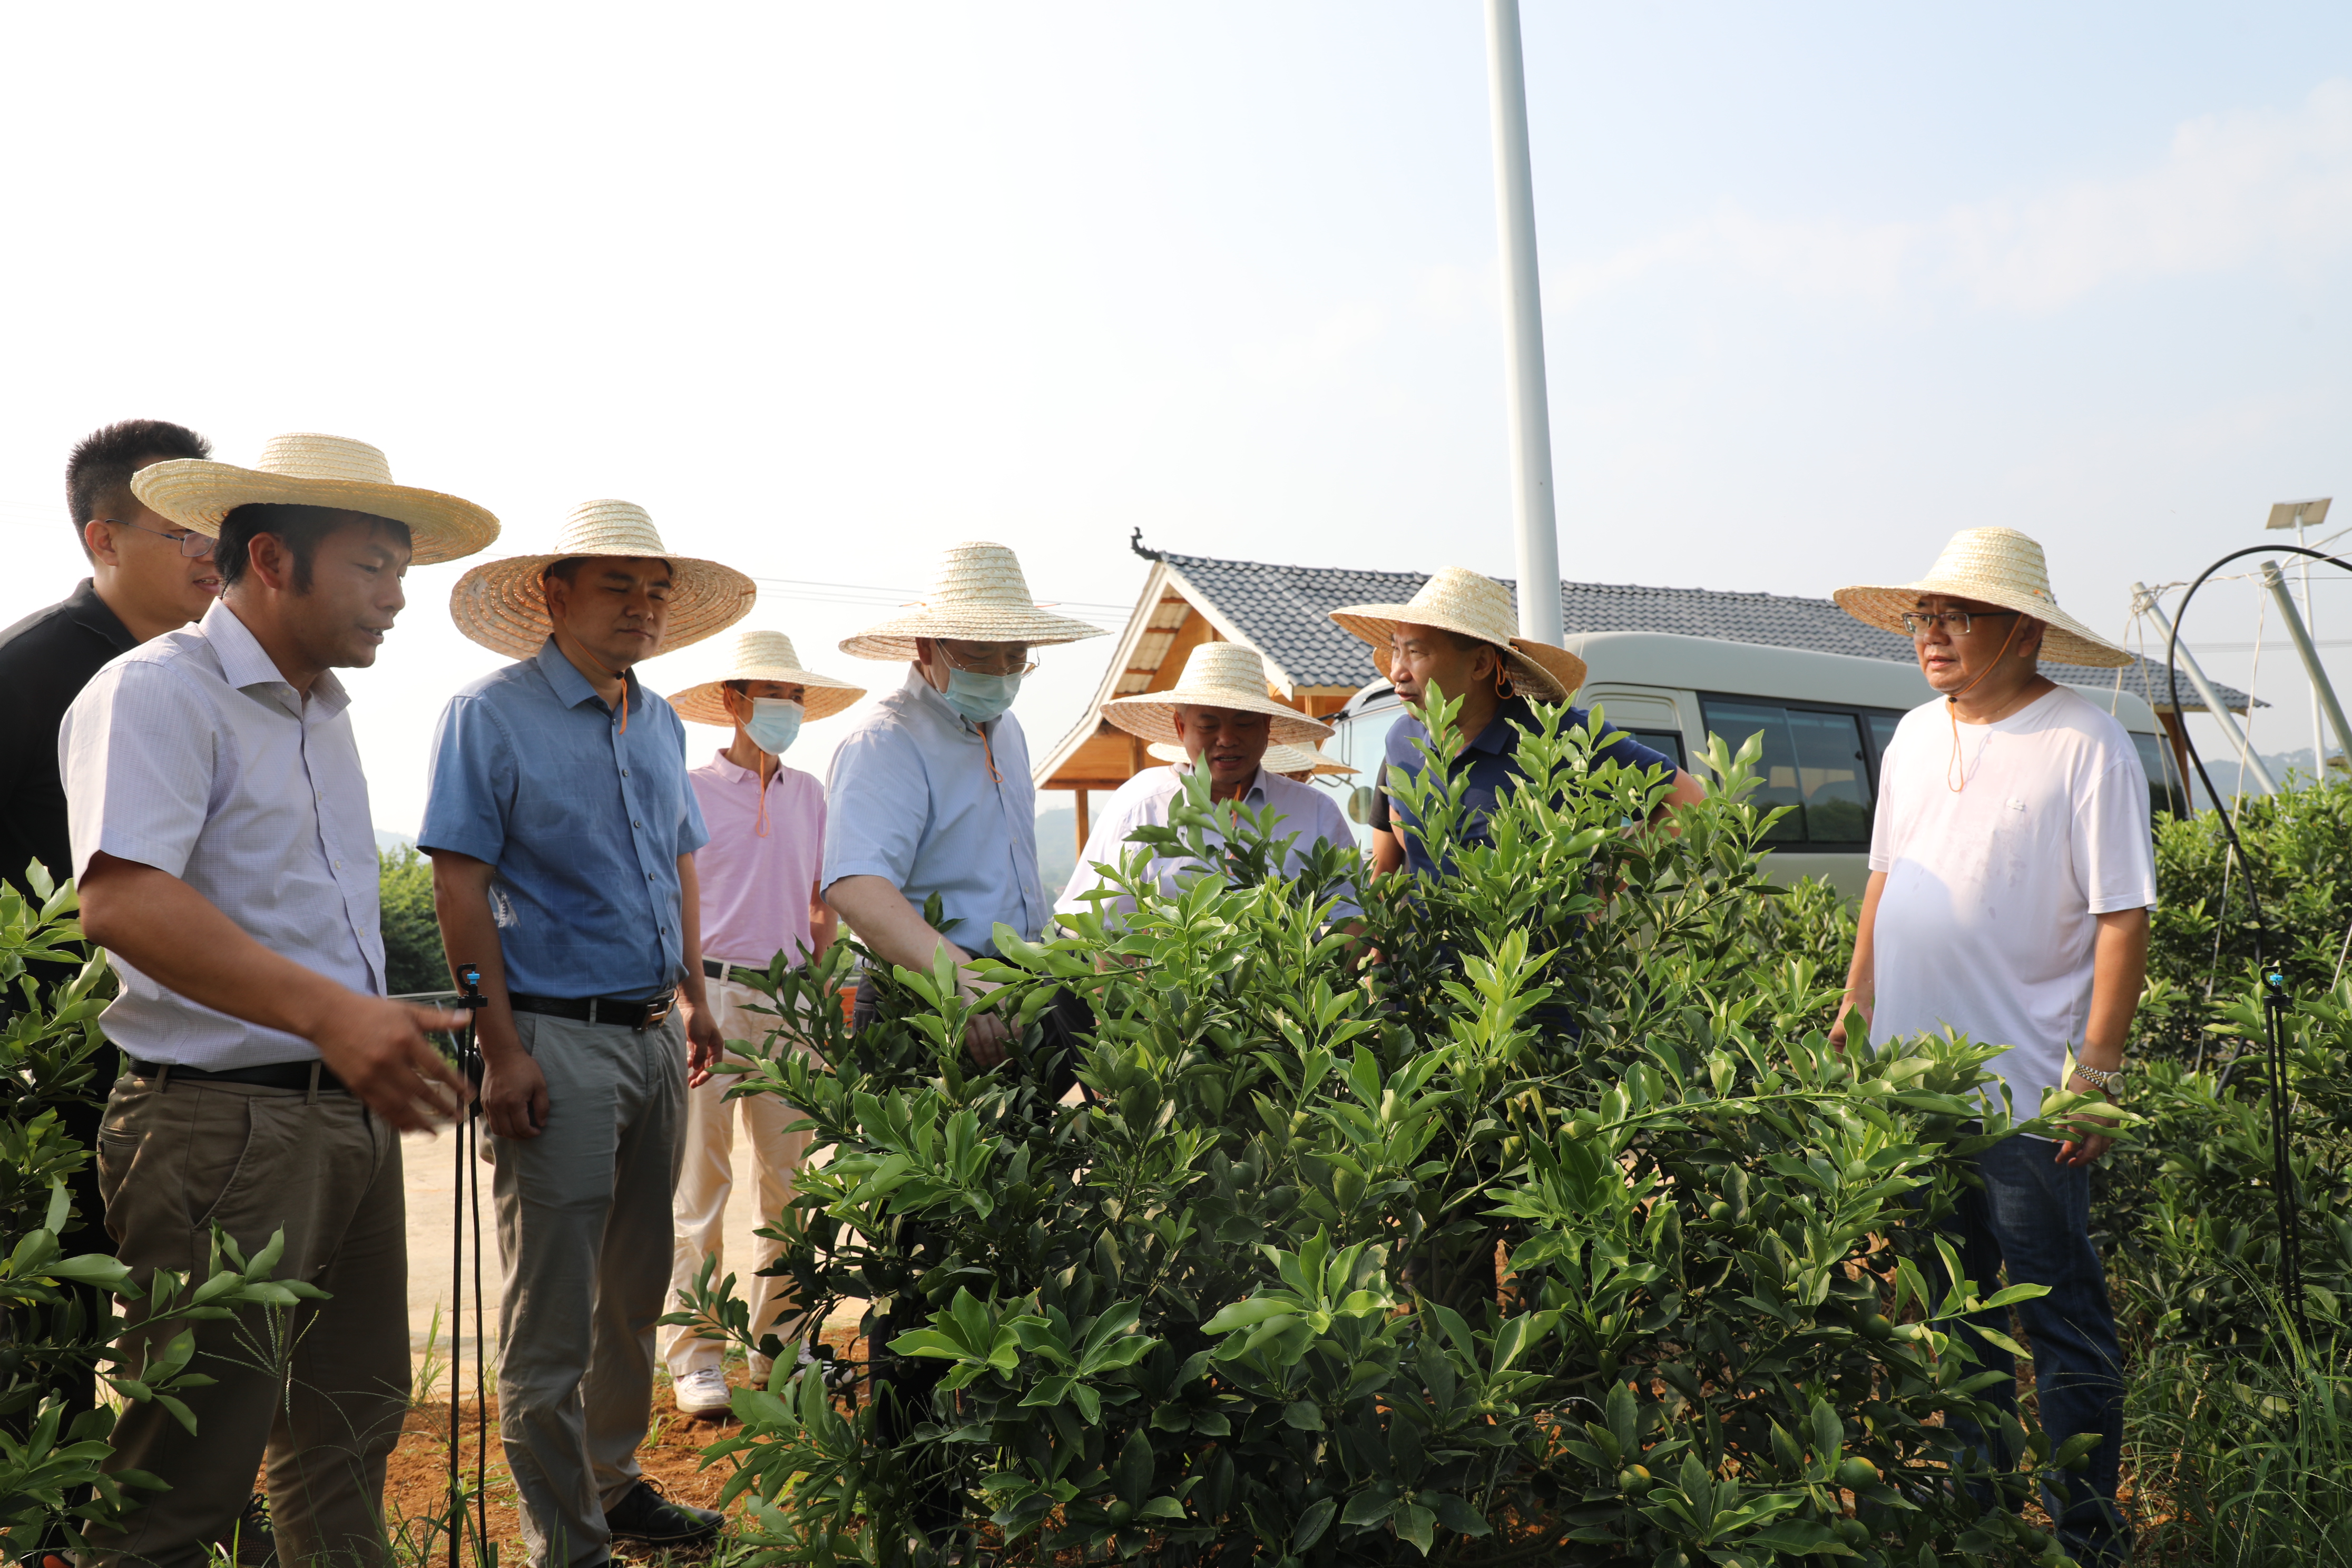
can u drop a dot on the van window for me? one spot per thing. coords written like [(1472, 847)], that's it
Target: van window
[(1813, 761), (1668, 742), (2164, 792)]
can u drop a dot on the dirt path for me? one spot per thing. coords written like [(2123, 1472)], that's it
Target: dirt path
[(417, 1489)]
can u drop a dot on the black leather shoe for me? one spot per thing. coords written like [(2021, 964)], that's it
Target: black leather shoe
[(644, 1518)]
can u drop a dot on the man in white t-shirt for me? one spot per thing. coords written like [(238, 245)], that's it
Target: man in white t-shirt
[(2012, 873), (1222, 716)]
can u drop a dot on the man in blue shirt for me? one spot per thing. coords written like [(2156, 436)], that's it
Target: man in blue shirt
[(930, 794), (1458, 633), (563, 833)]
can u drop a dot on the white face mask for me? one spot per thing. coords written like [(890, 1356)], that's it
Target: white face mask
[(774, 723)]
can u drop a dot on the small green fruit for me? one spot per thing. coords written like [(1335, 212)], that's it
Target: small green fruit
[(1719, 1211), (1857, 1473), (1874, 1327), (1633, 1480)]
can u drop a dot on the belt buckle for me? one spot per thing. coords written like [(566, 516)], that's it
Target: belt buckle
[(656, 1014)]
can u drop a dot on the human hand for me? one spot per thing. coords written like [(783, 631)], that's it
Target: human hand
[(1848, 1006), (704, 1044), (380, 1050), (2088, 1146), (986, 1035), (514, 1094)]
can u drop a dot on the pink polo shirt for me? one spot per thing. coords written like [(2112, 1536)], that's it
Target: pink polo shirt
[(755, 888)]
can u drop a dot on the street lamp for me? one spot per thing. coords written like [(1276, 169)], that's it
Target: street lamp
[(2300, 516)]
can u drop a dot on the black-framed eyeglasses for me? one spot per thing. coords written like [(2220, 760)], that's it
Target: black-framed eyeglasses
[(1920, 623), (1017, 662), (193, 546)]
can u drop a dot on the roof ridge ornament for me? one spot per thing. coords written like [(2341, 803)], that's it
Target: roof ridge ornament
[(1134, 543)]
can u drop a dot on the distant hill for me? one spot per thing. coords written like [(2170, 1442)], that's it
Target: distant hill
[(388, 841)]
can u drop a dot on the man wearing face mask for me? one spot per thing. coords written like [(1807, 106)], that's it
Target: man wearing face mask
[(760, 899), (931, 792)]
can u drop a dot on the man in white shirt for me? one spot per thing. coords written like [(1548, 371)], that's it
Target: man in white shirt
[(226, 858), (1221, 713), (2012, 873)]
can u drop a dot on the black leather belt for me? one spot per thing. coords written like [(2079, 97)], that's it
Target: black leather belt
[(642, 1013), (741, 974), (270, 1075)]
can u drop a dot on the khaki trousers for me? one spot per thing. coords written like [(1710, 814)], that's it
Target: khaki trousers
[(583, 1234), (706, 1178), (318, 1390)]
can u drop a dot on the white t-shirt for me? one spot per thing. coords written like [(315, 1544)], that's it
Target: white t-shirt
[(1985, 924), (1308, 815)]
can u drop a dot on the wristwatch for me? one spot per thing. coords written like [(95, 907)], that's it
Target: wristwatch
[(2104, 1078)]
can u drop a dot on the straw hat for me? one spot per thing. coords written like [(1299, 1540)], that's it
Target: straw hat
[(500, 604), (978, 594), (315, 470), (1217, 675), (1996, 566), (1472, 606), (765, 655), (1278, 759)]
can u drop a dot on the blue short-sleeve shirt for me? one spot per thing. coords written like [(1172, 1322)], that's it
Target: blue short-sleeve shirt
[(1491, 766), (583, 818), (931, 803)]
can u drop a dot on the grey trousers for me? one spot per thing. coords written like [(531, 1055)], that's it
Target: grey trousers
[(584, 1237), (318, 1389)]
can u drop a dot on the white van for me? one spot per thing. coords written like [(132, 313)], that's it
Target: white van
[(1825, 717)]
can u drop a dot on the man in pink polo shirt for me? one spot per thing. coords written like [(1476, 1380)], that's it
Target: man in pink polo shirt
[(759, 897)]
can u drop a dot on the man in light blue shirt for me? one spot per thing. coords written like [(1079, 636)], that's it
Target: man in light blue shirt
[(563, 833), (930, 792)]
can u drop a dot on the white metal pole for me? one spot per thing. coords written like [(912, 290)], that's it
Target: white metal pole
[(1523, 346), (2321, 692), (2311, 622), (2248, 763)]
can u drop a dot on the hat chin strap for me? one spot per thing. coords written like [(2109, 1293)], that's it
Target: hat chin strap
[(1952, 708)]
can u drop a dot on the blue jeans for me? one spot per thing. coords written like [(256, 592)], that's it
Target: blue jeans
[(2033, 1217)]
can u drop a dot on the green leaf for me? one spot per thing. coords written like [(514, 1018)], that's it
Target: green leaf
[(1242, 1314), (1416, 1525), (1305, 1415), (1313, 1523)]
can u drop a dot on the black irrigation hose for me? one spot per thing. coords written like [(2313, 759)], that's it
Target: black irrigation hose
[(465, 1138), (2274, 998)]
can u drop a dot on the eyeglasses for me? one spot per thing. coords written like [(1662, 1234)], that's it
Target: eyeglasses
[(1920, 623), (193, 546), (1013, 656)]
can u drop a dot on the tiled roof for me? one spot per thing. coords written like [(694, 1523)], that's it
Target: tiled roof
[(1284, 611)]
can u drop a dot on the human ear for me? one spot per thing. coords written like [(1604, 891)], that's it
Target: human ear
[(99, 535)]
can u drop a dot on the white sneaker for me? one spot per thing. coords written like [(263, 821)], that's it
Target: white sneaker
[(703, 1393)]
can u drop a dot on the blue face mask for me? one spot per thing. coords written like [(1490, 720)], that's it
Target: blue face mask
[(980, 698), (774, 723)]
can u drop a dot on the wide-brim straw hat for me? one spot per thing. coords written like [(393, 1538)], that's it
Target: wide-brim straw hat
[(978, 594), (1995, 567), (765, 655), (1470, 604), (1217, 675), (1283, 760), (499, 604), (303, 469)]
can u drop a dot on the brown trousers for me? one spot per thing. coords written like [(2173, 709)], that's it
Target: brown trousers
[(318, 1389)]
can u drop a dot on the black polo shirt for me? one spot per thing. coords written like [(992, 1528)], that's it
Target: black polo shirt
[(44, 661)]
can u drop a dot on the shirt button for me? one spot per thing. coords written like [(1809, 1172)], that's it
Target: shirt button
[(649, 876), (625, 773), (636, 825)]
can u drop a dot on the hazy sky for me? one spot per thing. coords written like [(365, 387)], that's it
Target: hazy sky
[(826, 288)]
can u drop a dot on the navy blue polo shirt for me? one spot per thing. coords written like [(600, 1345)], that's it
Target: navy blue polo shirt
[(1492, 767)]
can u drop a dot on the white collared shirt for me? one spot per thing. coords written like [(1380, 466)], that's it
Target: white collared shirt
[(1143, 802), (191, 753)]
